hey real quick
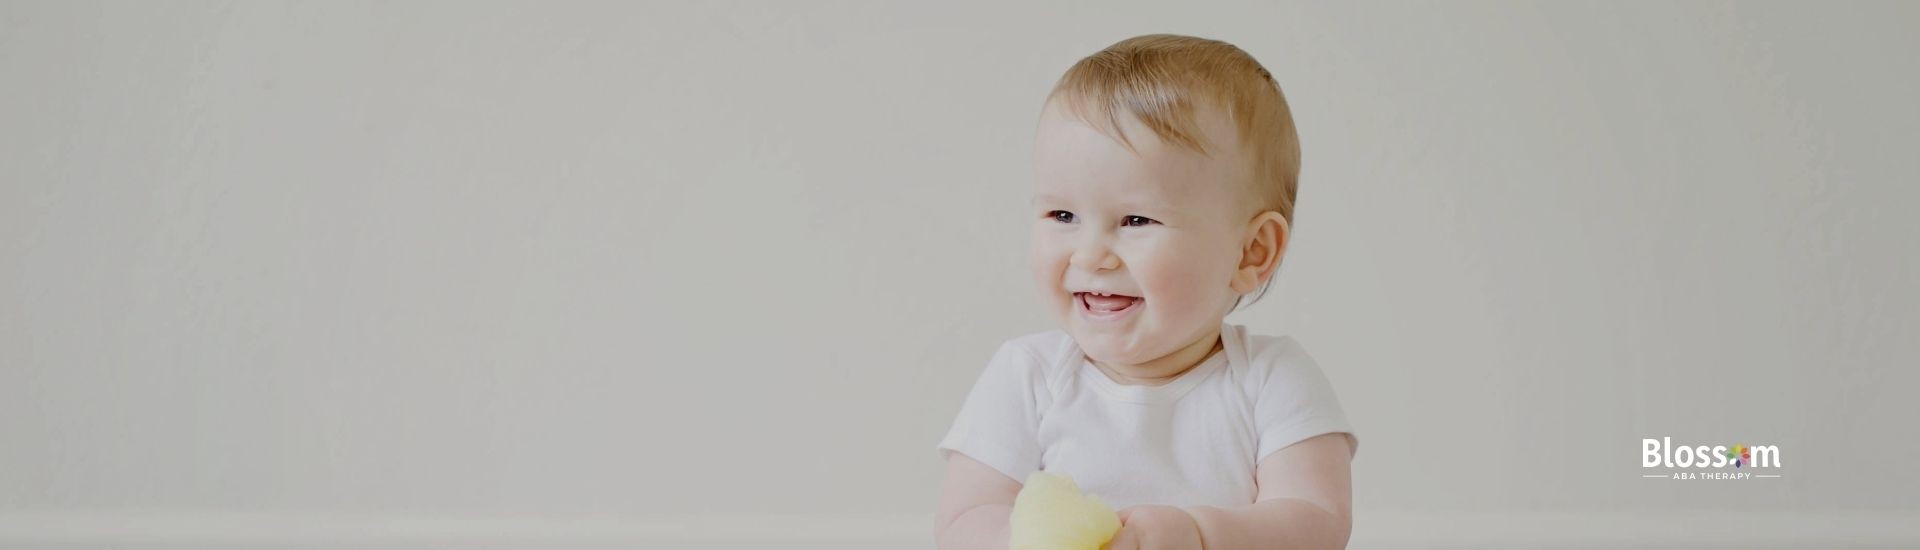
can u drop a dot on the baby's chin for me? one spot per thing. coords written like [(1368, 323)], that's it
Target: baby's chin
[(1106, 358), (1104, 347)]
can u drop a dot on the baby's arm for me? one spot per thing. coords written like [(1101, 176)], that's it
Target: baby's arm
[(975, 503), (1305, 501)]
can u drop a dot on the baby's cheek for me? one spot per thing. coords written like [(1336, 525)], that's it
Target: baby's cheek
[(1175, 287), (1048, 267), (1187, 288), (1042, 260)]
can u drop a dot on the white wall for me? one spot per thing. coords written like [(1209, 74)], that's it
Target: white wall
[(643, 272)]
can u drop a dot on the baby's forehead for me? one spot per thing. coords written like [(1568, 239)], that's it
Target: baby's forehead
[(1165, 183), (1073, 157)]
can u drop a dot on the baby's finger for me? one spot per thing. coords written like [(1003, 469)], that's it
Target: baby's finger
[(1124, 539)]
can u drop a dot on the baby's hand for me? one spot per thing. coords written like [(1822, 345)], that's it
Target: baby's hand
[(1156, 528)]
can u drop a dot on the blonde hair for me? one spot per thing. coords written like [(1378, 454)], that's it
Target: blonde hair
[(1163, 79)]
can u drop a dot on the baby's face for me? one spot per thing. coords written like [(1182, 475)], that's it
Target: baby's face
[(1160, 231)]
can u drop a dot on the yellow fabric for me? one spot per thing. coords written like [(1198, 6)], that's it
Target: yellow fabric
[(1051, 514)]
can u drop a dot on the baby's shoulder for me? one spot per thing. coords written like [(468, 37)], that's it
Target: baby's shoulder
[(1268, 348), (1039, 350), (1271, 355), (1040, 358)]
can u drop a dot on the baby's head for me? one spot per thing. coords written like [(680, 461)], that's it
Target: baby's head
[(1165, 169)]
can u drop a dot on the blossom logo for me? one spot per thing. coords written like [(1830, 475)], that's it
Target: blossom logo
[(1739, 455), (1742, 459)]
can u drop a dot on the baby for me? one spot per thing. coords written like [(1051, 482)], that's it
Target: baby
[(1165, 173)]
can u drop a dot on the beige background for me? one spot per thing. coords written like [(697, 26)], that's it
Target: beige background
[(684, 274)]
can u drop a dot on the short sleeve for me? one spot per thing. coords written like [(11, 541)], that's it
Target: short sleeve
[(1295, 401), (998, 424)]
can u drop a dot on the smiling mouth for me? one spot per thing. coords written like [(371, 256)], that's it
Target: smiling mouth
[(1106, 305)]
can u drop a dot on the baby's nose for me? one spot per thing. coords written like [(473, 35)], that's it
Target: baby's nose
[(1095, 256)]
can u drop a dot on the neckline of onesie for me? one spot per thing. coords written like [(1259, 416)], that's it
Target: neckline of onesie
[(1169, 391)]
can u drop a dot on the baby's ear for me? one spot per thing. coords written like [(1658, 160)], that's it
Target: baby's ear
[(1262, 245)]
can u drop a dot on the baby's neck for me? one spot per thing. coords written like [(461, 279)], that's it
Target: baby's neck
[(1165, 369)]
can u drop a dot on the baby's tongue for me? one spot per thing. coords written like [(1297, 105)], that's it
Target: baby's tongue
[(1108, 303)]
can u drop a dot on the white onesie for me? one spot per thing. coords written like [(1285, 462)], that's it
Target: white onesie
[(1040, 404)]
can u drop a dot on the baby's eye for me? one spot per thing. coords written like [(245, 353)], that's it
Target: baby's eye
[(1137, 221), (1061, 216)]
